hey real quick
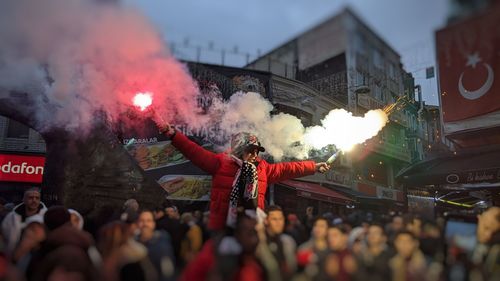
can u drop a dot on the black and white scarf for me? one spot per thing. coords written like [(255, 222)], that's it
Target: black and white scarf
[(245, 186)]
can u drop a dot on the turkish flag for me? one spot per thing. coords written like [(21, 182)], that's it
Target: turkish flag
[(469, 66)]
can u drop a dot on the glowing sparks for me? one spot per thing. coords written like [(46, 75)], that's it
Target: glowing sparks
[(143, 100), (400, 103), (344, 130)]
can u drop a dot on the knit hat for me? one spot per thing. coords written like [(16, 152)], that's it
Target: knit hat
[(56, 216), (243, 140)]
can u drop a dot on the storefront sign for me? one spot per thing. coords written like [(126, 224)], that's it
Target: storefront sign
[(387, 193), (421, 205), (478, 176), (20, 168)]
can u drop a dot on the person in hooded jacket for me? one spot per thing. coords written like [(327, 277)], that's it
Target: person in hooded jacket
[(15, 221)]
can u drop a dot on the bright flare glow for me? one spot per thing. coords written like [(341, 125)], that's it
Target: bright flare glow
[(344, 130), (143, 100)]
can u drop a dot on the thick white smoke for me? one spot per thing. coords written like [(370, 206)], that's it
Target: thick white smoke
[(343, 130), (74, 57), (283, 135), (250, 112)]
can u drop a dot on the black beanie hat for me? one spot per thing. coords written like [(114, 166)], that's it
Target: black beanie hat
[(56, 216)]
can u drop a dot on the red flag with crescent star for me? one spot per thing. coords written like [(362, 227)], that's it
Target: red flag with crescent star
[(468, 54)]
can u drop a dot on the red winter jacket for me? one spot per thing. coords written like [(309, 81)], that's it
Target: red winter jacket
[(223, 170)]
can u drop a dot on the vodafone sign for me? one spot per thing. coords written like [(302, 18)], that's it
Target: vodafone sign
[(20, 168)]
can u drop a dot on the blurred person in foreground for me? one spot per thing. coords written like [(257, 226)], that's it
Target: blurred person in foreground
[(14, 221), (281, 245), (131, 205), (158, 245), (168, 219), (60, 233), (123, 258), (393, 228), (193, 239), (311, 255), (239, 177), (340, 264), (32, 236), (486, 255), (356, 240), (373, 259), (295, 229), (229, 257), (409, 263)]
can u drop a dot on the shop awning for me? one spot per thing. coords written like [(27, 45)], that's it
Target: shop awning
[(465, 167), (366, 199), (316, 191)]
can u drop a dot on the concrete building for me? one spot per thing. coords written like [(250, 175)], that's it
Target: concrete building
[(16, 137), (345, 61)]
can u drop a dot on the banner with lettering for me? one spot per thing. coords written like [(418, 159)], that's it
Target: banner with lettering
[(154, 153), (21, 168)]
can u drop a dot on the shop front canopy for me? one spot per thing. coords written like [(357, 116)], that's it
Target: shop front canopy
[(462, 168), (316, 191)]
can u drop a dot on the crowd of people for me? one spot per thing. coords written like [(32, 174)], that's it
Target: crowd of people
[(133, 243), (239, 237)]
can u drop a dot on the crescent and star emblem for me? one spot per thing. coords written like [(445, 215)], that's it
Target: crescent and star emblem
[(472, 60)]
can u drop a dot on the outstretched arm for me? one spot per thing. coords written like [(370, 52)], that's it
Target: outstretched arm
[(204, 159), (289, 170)]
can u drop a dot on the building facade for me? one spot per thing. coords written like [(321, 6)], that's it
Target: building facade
[(346, 62), (22, 158)]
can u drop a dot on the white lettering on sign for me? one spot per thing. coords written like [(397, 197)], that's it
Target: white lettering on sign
[(452, 178), (22, 168), (141, 141)]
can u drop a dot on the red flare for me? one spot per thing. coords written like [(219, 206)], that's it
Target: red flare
[(143, 100)]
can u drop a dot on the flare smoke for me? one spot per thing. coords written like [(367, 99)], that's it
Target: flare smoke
[(283, 135), (74, 57)]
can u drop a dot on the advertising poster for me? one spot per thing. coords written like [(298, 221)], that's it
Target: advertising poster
[(154, 153)]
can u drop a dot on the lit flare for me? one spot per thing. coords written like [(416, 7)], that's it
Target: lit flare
[(143, 100)]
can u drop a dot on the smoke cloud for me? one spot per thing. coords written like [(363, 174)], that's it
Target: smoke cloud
[(250, 112), (74, 57), (283, 135)]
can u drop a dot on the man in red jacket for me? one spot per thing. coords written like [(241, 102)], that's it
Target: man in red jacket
[(239, 178)]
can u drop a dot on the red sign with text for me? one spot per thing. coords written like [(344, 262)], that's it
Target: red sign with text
[(20, 168), (469, 66)]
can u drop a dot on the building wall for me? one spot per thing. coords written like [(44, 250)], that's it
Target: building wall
[(16, 137), (346, 62), (322, 42), (281, 61)]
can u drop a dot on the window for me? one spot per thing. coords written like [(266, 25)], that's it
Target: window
[(361, 79), (17, 130), (359, 43), (377, 92), (392, 71), (377, 59)]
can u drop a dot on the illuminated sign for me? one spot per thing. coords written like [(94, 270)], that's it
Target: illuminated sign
[(21, 168)]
